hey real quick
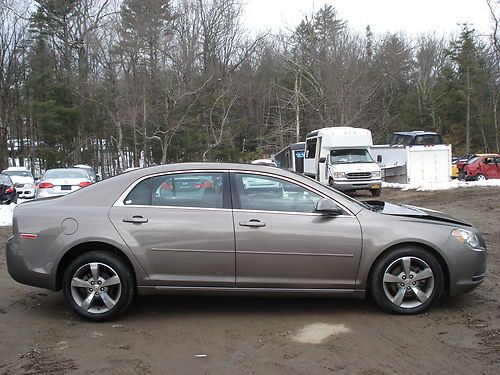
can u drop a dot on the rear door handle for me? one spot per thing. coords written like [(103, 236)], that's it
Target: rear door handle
[(254, 223), (135, 220)]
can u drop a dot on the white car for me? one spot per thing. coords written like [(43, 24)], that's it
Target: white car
[(61, 181), (23, 181)]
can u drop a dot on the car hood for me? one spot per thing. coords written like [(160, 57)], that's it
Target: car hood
[(406, 210)]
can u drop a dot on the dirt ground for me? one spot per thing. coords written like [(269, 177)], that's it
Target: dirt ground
[(228, 335)]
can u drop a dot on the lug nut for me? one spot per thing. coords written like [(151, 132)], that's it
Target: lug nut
[(402, 284), (414, 283), (92, 283), (404, 277), (411, 276), (99, 282), (90, 289), (96, 293), (408, 288), (102, 289)]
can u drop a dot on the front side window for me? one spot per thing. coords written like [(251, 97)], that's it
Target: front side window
[(311, 148), (273, 194), (203, 190)]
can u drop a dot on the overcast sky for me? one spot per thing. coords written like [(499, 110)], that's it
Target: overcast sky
[(409, 16)]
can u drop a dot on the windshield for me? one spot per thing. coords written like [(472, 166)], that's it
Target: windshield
[(18, 173), (65, 173), (350, 156)]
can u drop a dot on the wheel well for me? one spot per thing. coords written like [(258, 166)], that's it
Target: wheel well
[(434, 252), (85, 247)]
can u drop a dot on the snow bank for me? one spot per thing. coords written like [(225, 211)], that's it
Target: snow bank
[(6, 214), (453, 184)]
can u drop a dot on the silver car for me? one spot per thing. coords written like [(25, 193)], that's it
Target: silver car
[(61, 181), (234, 228)]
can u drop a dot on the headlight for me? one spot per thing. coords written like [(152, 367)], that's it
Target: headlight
[(376, 174), (466, 237), (29, 186), (338, 175)]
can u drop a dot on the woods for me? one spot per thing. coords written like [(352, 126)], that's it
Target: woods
[(116, 84)]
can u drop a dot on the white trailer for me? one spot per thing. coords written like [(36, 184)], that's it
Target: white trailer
[(340, 157), (414, 164)]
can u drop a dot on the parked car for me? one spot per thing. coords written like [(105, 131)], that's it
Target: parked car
[(8, 193), (61, 181), (94, 177), (416, 138), (482, 167), (23, 181), (233, 236)]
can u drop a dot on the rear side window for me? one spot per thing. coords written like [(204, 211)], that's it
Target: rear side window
[(203, 190)]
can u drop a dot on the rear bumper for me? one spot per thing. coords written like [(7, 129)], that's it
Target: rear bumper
[(29, 265), (26, 193)]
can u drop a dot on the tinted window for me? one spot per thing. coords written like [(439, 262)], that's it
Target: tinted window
[(188, 190), (273, 194), (299, 161), (311, 148), (180, 190), (140, 194)]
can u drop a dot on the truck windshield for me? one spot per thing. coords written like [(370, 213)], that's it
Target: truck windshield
[(350, 156)]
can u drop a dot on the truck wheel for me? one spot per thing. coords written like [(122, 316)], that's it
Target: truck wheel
[(481, 177), (376, 192)]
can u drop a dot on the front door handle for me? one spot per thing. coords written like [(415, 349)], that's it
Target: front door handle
[(254, 223), (135, 220)]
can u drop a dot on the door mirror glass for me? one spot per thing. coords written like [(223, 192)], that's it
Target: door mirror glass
[(328, 207), (322, 159)]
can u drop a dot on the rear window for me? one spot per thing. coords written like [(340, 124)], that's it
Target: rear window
[(18, 173), (65, 173), (428, 139)]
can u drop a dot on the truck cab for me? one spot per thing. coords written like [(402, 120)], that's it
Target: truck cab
[(340, 157)]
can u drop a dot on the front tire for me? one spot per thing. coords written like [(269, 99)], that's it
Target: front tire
[(376, 192), (98, 286), (407, 280)]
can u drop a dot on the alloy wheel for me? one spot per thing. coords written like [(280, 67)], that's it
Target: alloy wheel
[(96, 288), (408, 282)]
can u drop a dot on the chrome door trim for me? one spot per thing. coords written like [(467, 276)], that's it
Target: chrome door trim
[(301, 254)]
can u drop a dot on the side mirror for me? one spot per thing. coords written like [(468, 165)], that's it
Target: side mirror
[(322, 159), (328, 208)]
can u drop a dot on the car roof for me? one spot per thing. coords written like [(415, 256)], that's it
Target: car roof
[(110, 189), (486, 155)]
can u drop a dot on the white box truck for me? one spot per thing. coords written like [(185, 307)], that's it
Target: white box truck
[(340, 157)]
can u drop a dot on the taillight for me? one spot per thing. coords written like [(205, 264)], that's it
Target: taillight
[(10, 189), (45, 185), (207, 184), (84, 183)]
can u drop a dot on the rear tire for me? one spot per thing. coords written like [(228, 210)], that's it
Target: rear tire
[(98, 286), (407, 280), (481, 177)]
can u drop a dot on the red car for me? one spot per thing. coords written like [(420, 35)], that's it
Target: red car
[(482, 167)]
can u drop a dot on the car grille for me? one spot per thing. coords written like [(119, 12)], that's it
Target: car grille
[(19, 185), (358, 175)]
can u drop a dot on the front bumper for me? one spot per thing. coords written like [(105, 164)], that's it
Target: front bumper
[(26, 192), (346, 185)]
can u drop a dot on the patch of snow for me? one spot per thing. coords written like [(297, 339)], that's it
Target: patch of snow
[(453, 184), (6, 214), (316, 333)]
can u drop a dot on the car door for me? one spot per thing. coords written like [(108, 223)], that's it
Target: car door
[(180, 228), (282, 243)]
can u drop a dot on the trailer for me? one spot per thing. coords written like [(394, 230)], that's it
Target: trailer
[(413, 164)]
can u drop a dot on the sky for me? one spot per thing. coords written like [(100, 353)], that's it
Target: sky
[(409, 16)]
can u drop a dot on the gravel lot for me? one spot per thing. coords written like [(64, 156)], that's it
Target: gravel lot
[(222, 335)]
